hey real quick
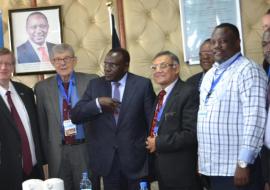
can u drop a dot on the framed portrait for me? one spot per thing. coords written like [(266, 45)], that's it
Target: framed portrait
[(33, 33)]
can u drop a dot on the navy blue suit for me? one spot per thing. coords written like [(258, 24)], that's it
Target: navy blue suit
[(127, 138), (27, 54)]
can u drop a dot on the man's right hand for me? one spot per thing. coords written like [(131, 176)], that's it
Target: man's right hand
[(108, 104)]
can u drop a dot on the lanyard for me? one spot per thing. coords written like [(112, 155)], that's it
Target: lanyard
[(268, 72), (216, 81), (63, 93), (160, 114)]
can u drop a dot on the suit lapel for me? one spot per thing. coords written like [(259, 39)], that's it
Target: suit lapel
[(54, 95), (170, 100), (5, 111), (79, 86), (127, 96)]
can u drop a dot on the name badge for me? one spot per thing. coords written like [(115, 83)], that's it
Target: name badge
[(70, 128)]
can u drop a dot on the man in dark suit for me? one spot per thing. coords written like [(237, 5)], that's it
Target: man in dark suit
[(20, 154), (172, 139), (206, 62), (35, 49), (118, 106), (64, 143)]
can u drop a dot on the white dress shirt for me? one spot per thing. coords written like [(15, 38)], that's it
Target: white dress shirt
[(23, 116)]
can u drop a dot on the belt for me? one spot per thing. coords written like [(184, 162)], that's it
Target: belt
[(75, 142)]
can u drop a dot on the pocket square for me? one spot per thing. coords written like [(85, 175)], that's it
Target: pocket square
[(169, 114)]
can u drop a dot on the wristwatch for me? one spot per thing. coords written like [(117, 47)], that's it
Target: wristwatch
[(242, 164)]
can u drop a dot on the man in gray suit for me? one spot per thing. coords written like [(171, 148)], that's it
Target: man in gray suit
[(118, 107), (63, 142)]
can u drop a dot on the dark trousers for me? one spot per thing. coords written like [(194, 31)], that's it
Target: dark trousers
[(116, 180), (227, 183), (36, 173)]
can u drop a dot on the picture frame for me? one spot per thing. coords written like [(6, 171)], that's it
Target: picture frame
[(196, 28), (33, 33)]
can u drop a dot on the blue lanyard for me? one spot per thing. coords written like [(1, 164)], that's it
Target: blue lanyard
[(216, 81), (160, 114), (63, 93), (268, 72)]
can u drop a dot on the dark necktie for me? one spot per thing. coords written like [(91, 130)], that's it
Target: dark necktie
[(116, 95), (66, 112), (26, 153), (158, 107)]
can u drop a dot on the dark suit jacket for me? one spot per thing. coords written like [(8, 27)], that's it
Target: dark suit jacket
[(128, 137), (195, 80), (47, 94), (27, 54), (10, 141), (176, 143)]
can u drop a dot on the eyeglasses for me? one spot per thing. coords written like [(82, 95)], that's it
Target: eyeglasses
[(161, 66), (65, 59), (111, 65), (265, 43)]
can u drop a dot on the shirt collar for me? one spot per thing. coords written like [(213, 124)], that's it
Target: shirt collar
[(11, 88), (122, 81), (72, 78), (169, 88), (35, 46), (226, 63)]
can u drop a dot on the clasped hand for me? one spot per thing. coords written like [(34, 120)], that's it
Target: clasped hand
[(108, 104)]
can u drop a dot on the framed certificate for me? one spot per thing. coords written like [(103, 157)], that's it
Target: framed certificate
[(198, 20)]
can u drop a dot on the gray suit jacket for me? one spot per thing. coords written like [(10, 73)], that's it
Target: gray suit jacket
[(50, 117)]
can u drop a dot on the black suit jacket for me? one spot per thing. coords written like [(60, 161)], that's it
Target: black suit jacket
[(27, 54), (128, 136), (176, 142), (10, 141), (195, 80)]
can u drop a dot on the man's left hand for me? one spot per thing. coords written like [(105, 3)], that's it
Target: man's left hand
[(241, 176), (151, 144)]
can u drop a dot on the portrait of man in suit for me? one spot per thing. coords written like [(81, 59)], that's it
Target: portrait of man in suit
[(172, 140), (20, 150), (118, 107), (36, 48)]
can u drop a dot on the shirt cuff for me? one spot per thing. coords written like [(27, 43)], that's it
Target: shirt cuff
[(247, 156), (98, 105)]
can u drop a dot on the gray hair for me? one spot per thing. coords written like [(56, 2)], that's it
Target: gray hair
[(61, 48), (173, 57)]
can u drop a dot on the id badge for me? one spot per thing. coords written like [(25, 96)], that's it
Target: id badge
[(70, 128)]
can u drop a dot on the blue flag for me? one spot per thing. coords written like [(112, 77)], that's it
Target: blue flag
[(1, 32)]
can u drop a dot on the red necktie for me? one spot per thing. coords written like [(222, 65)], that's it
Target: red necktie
[(43, 53), (26, 153), (158, 107), (66, 111)]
